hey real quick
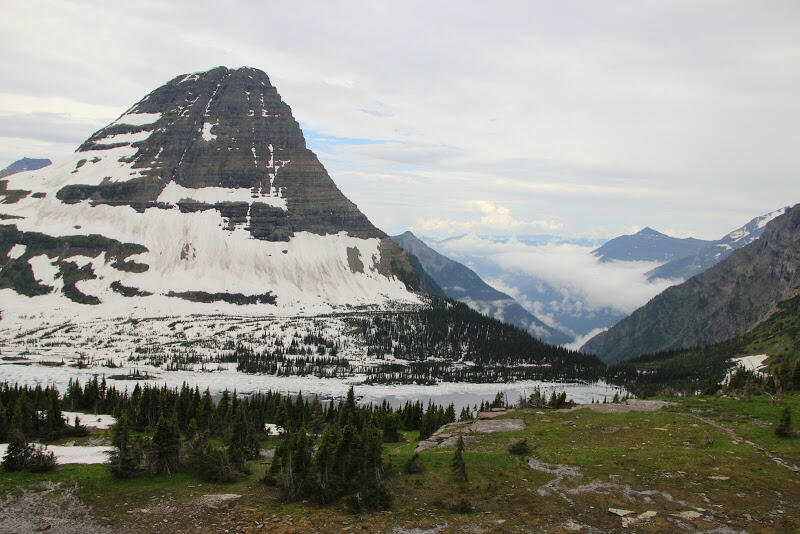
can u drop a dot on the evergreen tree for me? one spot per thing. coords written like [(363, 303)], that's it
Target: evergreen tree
[(391, 428), (784, 427), (465, 414), (324, 464), (17, 451), (450, 414), (165, 446), (240, 444), (54, 420), (458, 466), (223, 415), (211, 464), (24, 418), (205, 412), (126, 457)]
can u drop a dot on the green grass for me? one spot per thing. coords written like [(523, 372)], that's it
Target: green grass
[(668, 451)]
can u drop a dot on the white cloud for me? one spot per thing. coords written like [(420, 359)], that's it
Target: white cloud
[(585, 283), (580, 341), (485, 216)]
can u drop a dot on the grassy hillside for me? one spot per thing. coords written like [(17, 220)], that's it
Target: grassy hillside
[(678, 468), (689, 370), (723, 302)]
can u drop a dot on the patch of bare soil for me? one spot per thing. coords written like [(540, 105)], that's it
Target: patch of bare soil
[(50, 508), (447, 436), (630, 405)]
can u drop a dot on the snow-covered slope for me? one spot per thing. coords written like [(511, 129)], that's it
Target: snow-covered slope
[(200, 199)]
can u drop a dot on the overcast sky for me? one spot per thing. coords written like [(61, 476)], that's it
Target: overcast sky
[(570, 118)]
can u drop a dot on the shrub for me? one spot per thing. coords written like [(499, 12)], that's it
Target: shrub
[(40, 460), (784, 428), (22, 456), (463, 506), (414, 465), (519, 448)]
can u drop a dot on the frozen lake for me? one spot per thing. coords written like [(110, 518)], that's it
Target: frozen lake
[(460, 394)]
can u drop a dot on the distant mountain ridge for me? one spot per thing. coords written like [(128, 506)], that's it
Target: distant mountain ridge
[(461, 283), (710, 255), (25, 164), (724, 301), (648, 245)]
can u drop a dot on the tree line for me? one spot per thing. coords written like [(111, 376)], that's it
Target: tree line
[(328, 450)]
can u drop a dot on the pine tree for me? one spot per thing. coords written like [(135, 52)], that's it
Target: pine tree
[(211, 464), (54, 419), (324, 464), (784, 427), (450, 414), (391, 428), (17, 451), (126, 457), (205, 412), (458, 466), (165, 446), (239, 443)]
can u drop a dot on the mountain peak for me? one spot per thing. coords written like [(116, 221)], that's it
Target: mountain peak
[(648, 245), (647, 231), (25, 164), (208, 181)]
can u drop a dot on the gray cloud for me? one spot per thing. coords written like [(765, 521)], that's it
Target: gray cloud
[(675, 115), (48, 127)]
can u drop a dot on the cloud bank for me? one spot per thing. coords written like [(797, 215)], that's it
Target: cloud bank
[(595, 115), (559, 280)]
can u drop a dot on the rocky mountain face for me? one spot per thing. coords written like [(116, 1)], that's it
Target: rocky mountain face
[(461, 283), (710, 255), (25, 164), (648, 245), (200, 197), (722, 302)]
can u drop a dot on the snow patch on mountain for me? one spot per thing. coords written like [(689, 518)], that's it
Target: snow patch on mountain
[(174, 193), (206, 133), (137, 119)]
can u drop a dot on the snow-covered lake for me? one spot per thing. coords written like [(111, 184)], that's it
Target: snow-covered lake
[(460, 394)]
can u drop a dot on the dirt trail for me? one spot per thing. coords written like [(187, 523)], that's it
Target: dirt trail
[(732, 433)]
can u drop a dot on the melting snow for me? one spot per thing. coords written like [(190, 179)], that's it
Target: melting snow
[(16, 251), (137, 119), (100, 422), (78, 454), (188, 78), (173, 193), (43, 268), (207, 135), (770, 216), (129, 138)]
